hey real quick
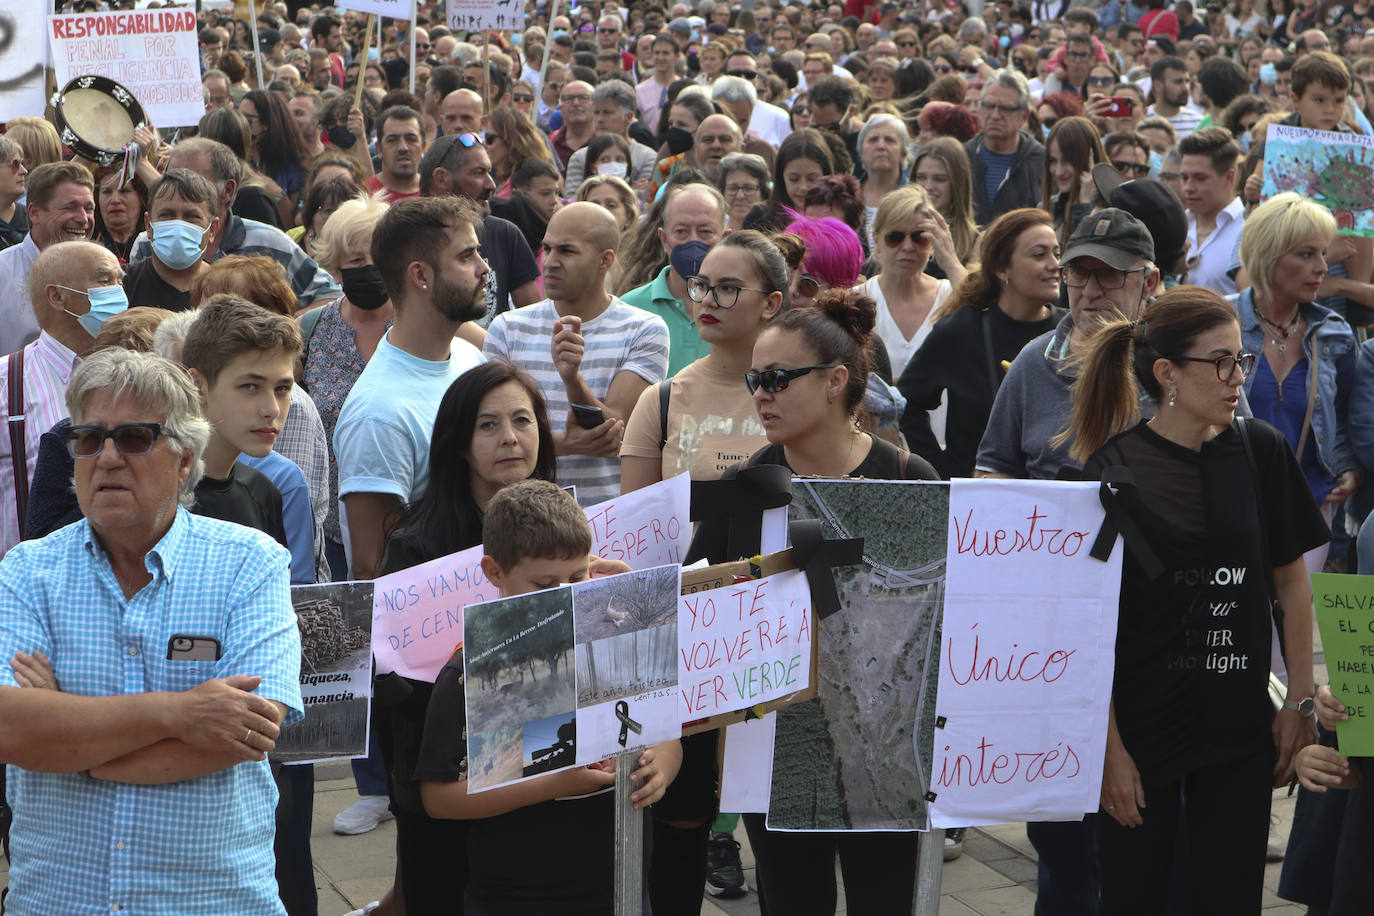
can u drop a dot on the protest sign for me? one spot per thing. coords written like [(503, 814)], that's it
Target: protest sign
[(395, 9), (649, 527), (1345, 615), (21, 70), (155, 54), (743, 644), (475, 15), (417, 613), (1336, 170), (1026, 660), (335, 622)]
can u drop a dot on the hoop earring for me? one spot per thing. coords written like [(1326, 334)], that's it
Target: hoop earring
[(1173, 395)]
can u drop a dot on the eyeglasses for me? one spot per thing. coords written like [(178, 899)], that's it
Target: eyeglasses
[(609, 31), (1108, 80), (743, 74), (1226, 365), (16, 164), (553, 85), (1137, 169), (422, 46), (1078, 55), (1107, 278), (990, 107), (129, 439), (521, 97), (740, 190), (896, 237), (906, 44), (943, 68), (575, 99), (726, 295), (775, 380)]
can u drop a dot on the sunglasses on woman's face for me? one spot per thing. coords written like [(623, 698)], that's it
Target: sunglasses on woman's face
[(522, 97), (896, 237), (775, 380)]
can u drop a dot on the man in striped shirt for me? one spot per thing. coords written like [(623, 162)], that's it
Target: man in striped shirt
[(584, 346)]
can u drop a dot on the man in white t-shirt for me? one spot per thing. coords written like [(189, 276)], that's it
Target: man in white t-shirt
[(1216, 215), (426, 249), (1169, 83), (584, 347)]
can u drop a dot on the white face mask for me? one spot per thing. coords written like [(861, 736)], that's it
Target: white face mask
[(616, 169)]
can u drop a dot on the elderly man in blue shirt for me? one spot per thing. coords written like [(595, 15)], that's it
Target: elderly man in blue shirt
[(171, 658)]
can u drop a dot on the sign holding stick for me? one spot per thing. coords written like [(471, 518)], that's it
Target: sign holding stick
[(1345, 614), (367, 43)]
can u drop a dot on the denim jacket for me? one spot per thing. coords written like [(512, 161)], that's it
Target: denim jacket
[(1330, 337)]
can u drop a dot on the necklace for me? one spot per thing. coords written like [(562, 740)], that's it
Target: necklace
[(1283, 331)]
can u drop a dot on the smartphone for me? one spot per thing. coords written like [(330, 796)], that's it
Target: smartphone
[(588, 417), (186, 648), (1122, 107)]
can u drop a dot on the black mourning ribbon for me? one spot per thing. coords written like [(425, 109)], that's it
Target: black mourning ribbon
[(819, 557), (622, 712), (1119, 497), (742, 500)]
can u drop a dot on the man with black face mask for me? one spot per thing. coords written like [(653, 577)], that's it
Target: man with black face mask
[(426, 252)]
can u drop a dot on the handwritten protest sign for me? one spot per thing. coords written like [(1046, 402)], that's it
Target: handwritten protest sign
[(155, 54), (474, 15), (417, 613), (335, 622), (21, 70), (1333, 169), (1026, 660), (395, 9), (743, 644), (1345, 614), (648, 527)]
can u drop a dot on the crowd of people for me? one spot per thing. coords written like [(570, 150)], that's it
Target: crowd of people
[(372, 301)]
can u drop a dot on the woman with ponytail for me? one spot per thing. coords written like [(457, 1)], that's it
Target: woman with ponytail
[(1217, 516)]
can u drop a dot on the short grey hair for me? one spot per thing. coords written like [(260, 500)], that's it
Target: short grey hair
[(616, 91), (973, 25), (752, 163), (171, 334), (157, 384), (10, 149), (1008, 78), (224, 165), (879, 120), (734, 89), (466, 52)]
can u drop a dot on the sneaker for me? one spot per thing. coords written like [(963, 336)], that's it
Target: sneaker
[(1275, 848), (724, 874), (363, 815), (954, 843)]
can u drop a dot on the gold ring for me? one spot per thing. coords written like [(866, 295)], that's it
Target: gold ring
[(248, 736)]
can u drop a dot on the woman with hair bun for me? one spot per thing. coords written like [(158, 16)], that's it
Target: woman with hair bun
[(1202, 567)]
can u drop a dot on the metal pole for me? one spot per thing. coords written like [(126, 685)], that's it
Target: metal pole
[(548, 46), (629, 842), (414, 21), (930, 861), (257, 42)]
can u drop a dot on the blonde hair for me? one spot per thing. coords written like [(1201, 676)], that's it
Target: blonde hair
[(1273, 228), (38, 138), (349, 225), (898, 205)]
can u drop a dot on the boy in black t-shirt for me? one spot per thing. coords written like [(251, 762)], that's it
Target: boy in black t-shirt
[(545, 845)]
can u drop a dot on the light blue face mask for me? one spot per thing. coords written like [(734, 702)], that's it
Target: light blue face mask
[(1156, 162), (106, 302), (1245, 142), (1269, 74), (177, 243), (373, 55)]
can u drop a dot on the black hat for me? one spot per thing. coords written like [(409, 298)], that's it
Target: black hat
[(268, 39), (1154, 204), (1113, 236)]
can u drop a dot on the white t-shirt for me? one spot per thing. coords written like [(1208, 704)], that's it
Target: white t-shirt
[(899, 348)]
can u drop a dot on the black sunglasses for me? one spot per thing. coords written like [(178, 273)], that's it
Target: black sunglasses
[(896, 237), (129, 439), (745, 74), (775, 380)]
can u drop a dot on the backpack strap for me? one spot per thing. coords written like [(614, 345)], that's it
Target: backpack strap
[(308, 323), (665, 395), (18, 451)]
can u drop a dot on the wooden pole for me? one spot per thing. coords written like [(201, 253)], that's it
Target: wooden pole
[(362, 61), (257, 41), (629, 841), (486, 72)]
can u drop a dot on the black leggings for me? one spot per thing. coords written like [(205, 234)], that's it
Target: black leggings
[(796, 871), (1207, 828)]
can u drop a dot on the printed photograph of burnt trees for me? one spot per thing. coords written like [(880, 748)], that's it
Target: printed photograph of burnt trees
[(519, 654), (626, 634)]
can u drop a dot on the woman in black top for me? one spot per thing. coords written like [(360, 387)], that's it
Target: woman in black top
[(491, 430), (996, 311), (810, 370), (1193, 742)]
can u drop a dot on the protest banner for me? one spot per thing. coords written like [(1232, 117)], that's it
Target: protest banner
[(335, 622), (21, 70), (477, 15), (155, 54), (417, 613), (1345, 616), (649, 527), (1336, 170), (393, 9), (1027, 654)]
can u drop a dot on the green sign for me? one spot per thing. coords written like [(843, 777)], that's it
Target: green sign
[(1345, 615)]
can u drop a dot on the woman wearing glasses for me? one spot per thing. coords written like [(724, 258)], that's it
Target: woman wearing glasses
[(1220, 510), (745, 182), (1129, 153), (1306, 353), (14, 223), (904, 293)]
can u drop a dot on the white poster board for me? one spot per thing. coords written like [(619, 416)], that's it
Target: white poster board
[(393, 9), (1026, 660), (21, 70), (476, 15), (155, 54)]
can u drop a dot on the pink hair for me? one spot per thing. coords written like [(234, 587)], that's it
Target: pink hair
[(833, 252)]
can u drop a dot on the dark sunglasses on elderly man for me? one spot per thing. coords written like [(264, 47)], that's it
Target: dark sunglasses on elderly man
[(129, 439)]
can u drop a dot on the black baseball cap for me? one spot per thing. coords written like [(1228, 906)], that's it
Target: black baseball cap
[(1154, 204), (1112, 236)]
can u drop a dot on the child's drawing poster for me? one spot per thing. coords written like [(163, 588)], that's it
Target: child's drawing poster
[(1336, 170)]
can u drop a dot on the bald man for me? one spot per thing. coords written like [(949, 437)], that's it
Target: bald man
[(579, 122), (66, 279), (717, 137), (461, 113), (584, 346)]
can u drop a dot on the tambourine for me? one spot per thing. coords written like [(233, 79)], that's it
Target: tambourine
[(97, 118)]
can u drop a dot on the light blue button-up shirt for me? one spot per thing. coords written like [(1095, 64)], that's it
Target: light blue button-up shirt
[(203, 846)]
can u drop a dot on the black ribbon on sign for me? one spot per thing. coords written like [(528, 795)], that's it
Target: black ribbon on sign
[(819, 557), (622, 712), (1119, 496), (742, 500)]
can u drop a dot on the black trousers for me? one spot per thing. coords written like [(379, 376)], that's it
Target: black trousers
[(295, 815), (796, 871), (432, 856), (1207, 828)]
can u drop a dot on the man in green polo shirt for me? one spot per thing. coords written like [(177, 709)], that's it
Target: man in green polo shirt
[(693, 221)]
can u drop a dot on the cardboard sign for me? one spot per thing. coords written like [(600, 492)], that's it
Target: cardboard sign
[(21, 70), (476, 15), (1345, 614), (1334, 169), (1027, 653), (417, 613), (155, 54), (394, 9)]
